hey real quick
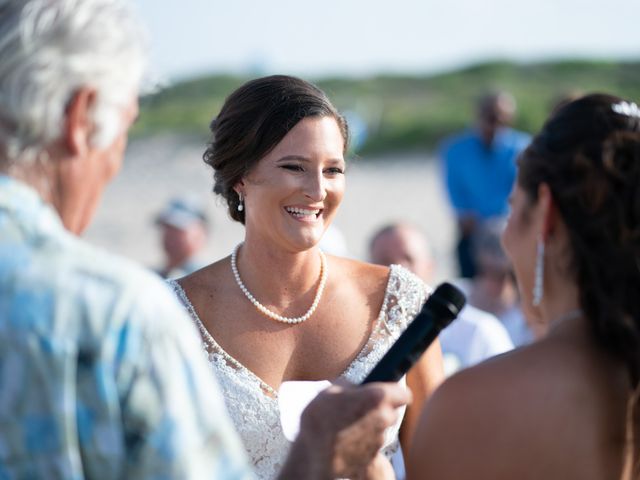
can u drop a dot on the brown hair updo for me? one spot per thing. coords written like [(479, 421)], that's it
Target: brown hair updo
[(588, 153), (253, 120)]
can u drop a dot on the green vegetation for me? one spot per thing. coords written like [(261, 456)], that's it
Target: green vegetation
[(407, 112)]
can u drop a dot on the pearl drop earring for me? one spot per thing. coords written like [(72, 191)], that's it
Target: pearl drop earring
[(240, 202)]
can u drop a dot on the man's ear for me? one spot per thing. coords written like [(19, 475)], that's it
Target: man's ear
[(79, 124)]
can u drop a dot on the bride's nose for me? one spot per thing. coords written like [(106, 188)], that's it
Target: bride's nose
[(315, 187)]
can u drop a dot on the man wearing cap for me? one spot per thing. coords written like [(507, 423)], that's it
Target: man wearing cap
[(184, 228)]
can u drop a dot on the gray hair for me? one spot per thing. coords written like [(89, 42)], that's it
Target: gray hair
[(49, 49)]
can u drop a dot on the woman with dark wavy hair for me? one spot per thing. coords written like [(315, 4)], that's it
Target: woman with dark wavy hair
[(278, 308), (565, 407)]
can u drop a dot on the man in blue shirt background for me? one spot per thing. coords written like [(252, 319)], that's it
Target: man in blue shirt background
[(479, 167)]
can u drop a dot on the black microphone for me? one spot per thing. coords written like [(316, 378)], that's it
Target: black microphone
[(440, 309)]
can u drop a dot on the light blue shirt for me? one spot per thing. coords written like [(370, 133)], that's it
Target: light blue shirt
[(101, 372), (479, 179), (473, 337)]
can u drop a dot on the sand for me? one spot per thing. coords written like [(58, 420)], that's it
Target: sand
[(379, 190)]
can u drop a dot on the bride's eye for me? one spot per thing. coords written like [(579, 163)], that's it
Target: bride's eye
[(335, 171), (292, 167)]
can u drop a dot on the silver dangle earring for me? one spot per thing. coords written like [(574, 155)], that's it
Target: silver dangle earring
[(538, 281), (240, 202)]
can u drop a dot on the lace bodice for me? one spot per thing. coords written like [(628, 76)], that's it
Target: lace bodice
[(253, 405)]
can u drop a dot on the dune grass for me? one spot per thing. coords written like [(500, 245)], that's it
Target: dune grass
[(405, 113)]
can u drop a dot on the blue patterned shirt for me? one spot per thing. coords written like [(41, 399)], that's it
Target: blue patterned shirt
[(101, 372)]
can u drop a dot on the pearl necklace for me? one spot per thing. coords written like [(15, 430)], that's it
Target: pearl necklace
[(265, 310)]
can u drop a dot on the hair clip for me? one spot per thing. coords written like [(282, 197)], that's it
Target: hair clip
[(630, 109)]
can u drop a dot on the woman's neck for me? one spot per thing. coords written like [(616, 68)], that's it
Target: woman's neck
[(561, 302), (277, 274)]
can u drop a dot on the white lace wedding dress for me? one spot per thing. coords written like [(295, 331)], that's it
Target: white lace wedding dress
[(253, 405)]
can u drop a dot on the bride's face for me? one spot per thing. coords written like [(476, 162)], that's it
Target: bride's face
[(293, 193)]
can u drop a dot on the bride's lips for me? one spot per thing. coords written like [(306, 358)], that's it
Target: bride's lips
[(304, 214)]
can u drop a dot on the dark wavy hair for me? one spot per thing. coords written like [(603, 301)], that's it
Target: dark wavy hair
[(588, 153), (253, 120)]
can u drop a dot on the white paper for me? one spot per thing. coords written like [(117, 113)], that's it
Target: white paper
[(293, 398)]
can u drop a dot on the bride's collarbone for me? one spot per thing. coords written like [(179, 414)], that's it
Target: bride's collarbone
[(322, 332), (316, 349), (332, 337)]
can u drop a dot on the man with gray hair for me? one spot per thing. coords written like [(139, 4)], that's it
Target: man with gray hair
[(101, 372)]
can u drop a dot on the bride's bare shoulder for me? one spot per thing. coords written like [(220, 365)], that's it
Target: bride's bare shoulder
[(211, 278), (361, 274)]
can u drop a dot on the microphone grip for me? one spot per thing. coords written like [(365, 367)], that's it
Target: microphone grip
[(440, 309), (404, 353)]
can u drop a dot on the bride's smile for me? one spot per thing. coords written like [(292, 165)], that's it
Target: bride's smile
[(307, 214), (293, 193)]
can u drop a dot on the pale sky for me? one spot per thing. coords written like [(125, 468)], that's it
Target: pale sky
[(362, 37)]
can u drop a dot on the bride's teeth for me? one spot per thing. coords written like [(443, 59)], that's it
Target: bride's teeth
[(302, 212)]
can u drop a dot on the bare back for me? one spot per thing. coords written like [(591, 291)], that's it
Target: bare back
[(552, 410)]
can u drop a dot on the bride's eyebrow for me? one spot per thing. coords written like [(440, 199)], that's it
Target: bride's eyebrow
[(288, 158), (301, 158)]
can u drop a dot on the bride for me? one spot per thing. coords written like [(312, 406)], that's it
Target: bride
[(278, 308)]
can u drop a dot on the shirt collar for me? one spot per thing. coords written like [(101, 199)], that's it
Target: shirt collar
[(26, 205)]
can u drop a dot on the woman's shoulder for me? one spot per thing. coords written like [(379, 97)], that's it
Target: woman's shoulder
[(463, 424), (356, 267), (359, 275), (489, 410), (208, 281), (377, 277), (517, 381), (497, 378), (468, 418)]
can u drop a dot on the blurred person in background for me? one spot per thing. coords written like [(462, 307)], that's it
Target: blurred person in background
[(475, 335), (278, 309), (184, 228), (567, 405), (479, 167), (101, 373), (494, 287)]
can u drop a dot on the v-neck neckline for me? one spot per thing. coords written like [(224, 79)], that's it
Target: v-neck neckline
[(267, 390)]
